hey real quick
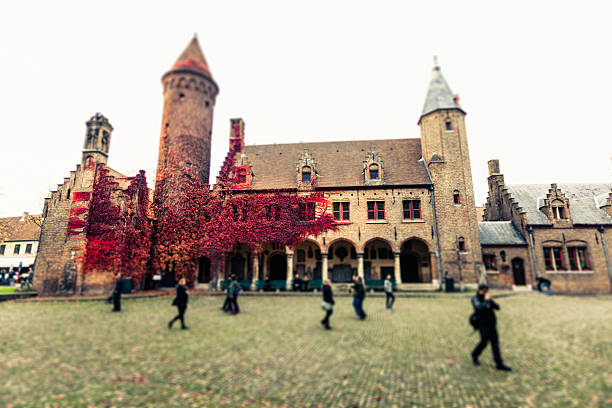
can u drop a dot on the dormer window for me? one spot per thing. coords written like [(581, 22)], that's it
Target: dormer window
[(456, 197), (306, 173), (241, 176), (374, 175), (558, 211)]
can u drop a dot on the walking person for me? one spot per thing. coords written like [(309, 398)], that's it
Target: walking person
[(358, 297), (544, 283), (180, 301), (227, 305), (117, 292), (234, 296), (485, 322), (328, 303), (390, 300)]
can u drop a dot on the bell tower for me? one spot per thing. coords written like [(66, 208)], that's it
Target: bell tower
[(445, 152), (189, 100), (97, 140)]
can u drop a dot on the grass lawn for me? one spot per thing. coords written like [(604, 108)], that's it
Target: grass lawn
[(6, 290), (276, 352)]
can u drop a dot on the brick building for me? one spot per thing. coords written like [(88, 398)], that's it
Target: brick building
[(18, 242), (558, 231)]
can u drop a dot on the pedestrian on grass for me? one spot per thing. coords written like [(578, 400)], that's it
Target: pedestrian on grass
[(390, 300), (328, 303), (485, 322), (227, 305), (180, 301), (234, 309), (358, 297), (544, 283), (117, 292)]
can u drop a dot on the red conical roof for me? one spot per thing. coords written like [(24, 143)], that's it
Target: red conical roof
[(192, 59)]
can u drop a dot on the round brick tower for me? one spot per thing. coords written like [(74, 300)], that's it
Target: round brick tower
[(189, 100)]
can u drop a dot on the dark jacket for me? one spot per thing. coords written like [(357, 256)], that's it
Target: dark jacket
[(118, 287), (328, 295), (358, 290), (181, 298), (485, 310), (236, 287)]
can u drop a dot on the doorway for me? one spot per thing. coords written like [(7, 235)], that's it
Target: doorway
[(518, 272), (204, 270), (278, 267), (409, 268)]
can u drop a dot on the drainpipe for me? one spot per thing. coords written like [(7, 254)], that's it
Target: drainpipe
[(533, 255), (605, 248), (435, 222)]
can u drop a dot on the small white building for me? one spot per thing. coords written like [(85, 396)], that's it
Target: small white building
[(19, 242)]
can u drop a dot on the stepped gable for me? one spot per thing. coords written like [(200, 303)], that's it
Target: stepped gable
[(582, 202), (339, 164), (499, 233)]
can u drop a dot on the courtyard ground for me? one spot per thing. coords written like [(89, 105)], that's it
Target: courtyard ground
[(276, 353)]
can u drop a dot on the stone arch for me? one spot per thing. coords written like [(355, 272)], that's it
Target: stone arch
[(415, 262), (277, 266), (342, 260), (336, 240), (378, 261), (307, 260)]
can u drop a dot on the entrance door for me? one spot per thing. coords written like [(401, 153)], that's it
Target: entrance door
[(409, 268), (278, 267), (518, 271), (204, 270), (238, 266)]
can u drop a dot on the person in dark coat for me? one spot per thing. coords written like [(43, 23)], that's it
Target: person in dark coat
[(486, 323), (234, 309), (297, 284), (544, 283), (227, 305), (328, 302), (117, 292), (358, 297), (180, 301)]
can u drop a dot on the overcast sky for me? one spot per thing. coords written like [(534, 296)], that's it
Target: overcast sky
[(533, 77)]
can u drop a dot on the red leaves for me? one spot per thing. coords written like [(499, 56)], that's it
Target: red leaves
[(80, 196)]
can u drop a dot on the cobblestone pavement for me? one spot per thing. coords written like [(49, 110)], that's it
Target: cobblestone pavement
[(275, 353)]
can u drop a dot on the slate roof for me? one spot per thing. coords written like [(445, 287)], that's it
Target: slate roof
[(19, 229), (338, 164), (439, 94), (499, 233), (583, 202)]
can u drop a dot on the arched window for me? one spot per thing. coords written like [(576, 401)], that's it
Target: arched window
[(374, 175), (306, 172), (456, 197), (241, 176), (461, 244), (89, 161)]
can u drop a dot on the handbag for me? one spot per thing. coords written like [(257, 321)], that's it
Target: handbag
[(326, 305)]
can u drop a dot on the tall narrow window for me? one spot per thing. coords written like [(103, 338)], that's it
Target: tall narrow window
[(456, 197), (306, 172), (558, 213), (449, 125), (553, 258), (28, 249), (2, 249), (374, 174), (341, 211), (578, 258), (376, 210), (17, 249), (412, 209), (241, 176), (461, 244)]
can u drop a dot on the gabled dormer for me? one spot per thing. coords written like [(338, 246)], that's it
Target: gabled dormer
[(306, 171), (373, 168), (604, 202), (242, 173), (556, 206)]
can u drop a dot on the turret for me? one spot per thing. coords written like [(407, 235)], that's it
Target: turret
[(97, 140)]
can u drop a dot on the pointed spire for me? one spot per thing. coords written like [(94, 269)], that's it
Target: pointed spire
[(439, 94), (192, 58)]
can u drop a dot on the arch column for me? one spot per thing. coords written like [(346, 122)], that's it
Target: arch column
[(255, 270), (360, 266), (289, 270), (324, 267), (397, 268)]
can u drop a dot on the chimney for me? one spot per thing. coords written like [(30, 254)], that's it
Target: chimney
[(493, 167), (236, 134)]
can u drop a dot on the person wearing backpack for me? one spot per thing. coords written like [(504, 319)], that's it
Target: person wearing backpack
[(234, 309), (483, 319)]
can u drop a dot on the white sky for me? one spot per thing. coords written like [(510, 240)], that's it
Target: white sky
[(533, 76)]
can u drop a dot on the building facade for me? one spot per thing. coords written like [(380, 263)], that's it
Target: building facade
[(18, 242)]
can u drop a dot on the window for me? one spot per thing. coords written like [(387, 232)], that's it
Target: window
[(28, 249), (490, 262), (456, 197), (341, 211), (503, 256), (461, 244), (383, 253), (578, 258), (2, 249), (68, 195), (188, 168), (301, 255), (307, 211), (558, 213), (17, 249), (376, 210), (374, 172), (449, 125), (553, 258), (241, 176), (412, 209), (306, 174)]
